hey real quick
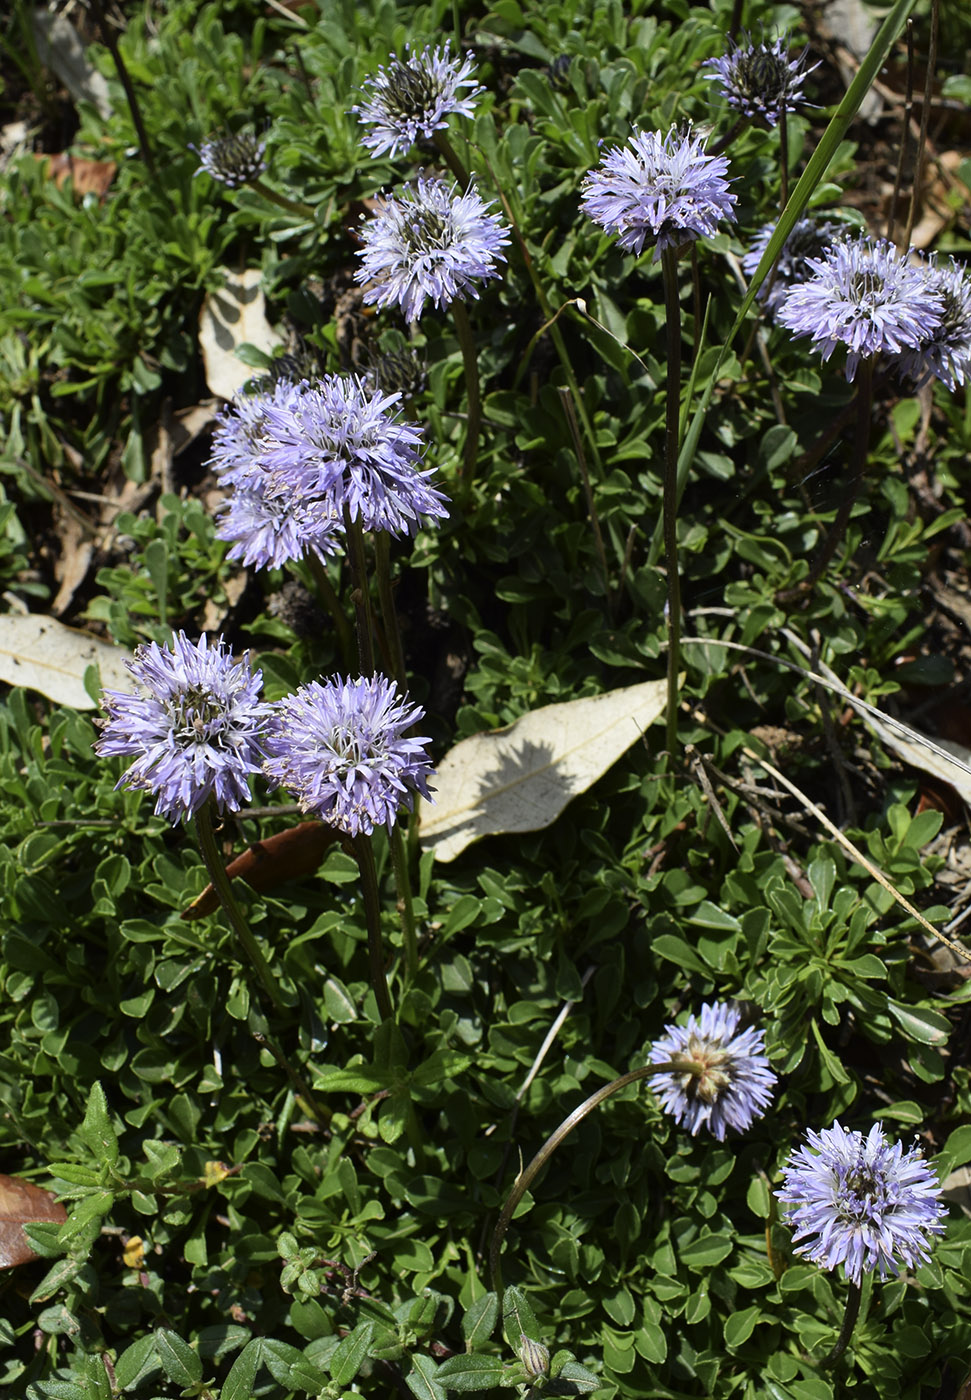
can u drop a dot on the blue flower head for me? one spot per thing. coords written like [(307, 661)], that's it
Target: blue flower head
[(232, 160), (430, 243), (945, 354), (413, 96), (760, 79), (196, 730), (861, 1202), (810, 238), (658, 189), (720, 1078), (866, 296), (343, 748)]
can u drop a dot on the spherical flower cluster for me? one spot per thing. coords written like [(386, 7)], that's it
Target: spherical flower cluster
[(233, 160), (413, 96), (297, 457), (660, 189), (341, 441), (760, 79), (342, 748), (266, 527), (866, 296), (810, 238), (946, 353), (197, 731), (431, 243), (720, 1077), (860, 1202)]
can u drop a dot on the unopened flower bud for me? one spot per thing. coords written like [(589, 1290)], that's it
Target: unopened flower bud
[(534, 1356)]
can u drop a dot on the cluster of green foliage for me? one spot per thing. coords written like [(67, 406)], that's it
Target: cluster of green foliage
[(301, 1203)]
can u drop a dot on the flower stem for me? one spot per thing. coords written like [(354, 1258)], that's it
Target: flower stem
[(528, 1176), (470, 363), (292, 206), (389, 614), (406, 907), (846, 1331), (360, 592), (237, 919), (669, 507), (447, 151), (861, 447), (364, 854), (330, 600)]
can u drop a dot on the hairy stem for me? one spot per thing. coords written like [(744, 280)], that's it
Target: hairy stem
[(470, 363), (360, 592), (292, 206), (846, 1331), (330, 600)]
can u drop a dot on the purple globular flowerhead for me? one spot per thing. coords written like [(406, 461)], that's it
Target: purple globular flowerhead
[(430, 243), (413, 97), (860, 1202), (233, 160), (341, 441), (810, 238), (341, 747), (946, 353), (660, 189), (265, 529), (760, 79), (865, 295), (195, 733), (721, 1077)]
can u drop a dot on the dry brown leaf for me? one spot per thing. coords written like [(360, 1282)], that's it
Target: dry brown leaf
[(21, 1202), (287, 855), (521, 778), (40, 653)]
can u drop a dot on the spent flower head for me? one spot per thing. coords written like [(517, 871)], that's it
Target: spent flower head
[(759, 79), (865, 295), (810, 238), (234, 160), (196, 730), (430, 243), (946, 353), (660, 189), (342, 748), (720, 1078), (342, 441), (861, 1202), (413, 97)]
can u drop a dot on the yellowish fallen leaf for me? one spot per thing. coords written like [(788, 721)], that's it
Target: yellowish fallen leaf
[(40, 653), (520, 778)]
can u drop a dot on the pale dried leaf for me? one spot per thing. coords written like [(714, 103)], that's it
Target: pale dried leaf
[(40, 653), (521, 778), (234, 315), (61, 49)]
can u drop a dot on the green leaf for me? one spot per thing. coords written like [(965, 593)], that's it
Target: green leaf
[(706, 1251), (350, 1352), (739, 1326), (518, 1318), (238, 1385), (421, 1379), (179, 1362), (466, 1373), (96, 1131), (136, 1362), (479, 1321), (957, 1149), (921, 1024)]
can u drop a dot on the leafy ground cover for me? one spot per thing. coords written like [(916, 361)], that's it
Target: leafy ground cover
[(299, 1140)]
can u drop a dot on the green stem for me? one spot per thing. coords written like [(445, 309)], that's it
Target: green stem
[(669, 507), (571, 1121), (406, 907), (108, 36), (389, 614), (846, 1331), (360, 592), (861, 448), (237, 919), (364, 854), (447, 152), (470, 363), (292, 206), (330, 600)]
